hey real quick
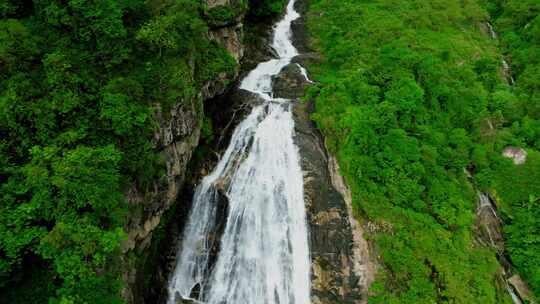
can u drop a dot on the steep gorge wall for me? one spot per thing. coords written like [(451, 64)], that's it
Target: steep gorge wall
[(175, 139)]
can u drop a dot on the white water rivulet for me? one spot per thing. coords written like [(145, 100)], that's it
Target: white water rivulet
[(263, 253)]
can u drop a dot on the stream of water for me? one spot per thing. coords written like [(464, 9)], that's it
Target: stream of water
[(263, 254)]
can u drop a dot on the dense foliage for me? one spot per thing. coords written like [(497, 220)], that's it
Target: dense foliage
[(518, 24), (411, 98), (79, 81), (261, 8)]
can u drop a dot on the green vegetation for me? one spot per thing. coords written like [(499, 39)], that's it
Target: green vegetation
[(79, 81), (411, 95), (222, 14), (265, 8), (518, 23), (517, 190)]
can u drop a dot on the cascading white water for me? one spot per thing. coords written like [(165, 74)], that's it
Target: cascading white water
[(263, 254), (506, 67), (303, 71)]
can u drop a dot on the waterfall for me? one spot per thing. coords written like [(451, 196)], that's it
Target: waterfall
[(263, 253)]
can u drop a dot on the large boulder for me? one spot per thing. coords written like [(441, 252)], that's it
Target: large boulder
[(518, 155), (290, 83)]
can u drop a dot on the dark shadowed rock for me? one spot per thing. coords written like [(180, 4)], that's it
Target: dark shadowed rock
[(257, 41), (231, 38), (290, 83), (300, 37), (223, 203)]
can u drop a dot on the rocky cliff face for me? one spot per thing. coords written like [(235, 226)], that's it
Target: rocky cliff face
[(175, 139), (342, 268), (341, 265)]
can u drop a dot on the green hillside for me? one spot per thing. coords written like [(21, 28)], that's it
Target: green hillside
[(411, 97)]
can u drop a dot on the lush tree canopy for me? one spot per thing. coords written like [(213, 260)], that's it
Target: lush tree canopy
[(410, 97)]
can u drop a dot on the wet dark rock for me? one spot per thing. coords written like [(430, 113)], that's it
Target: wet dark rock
[(300, 37), (244, 100), (257, 41), (195, 292), (289, 83), (227, 111), (223, 203)]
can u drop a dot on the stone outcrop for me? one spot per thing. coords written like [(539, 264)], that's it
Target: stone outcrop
[(231, 38), (290, 83), (518, 155)]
